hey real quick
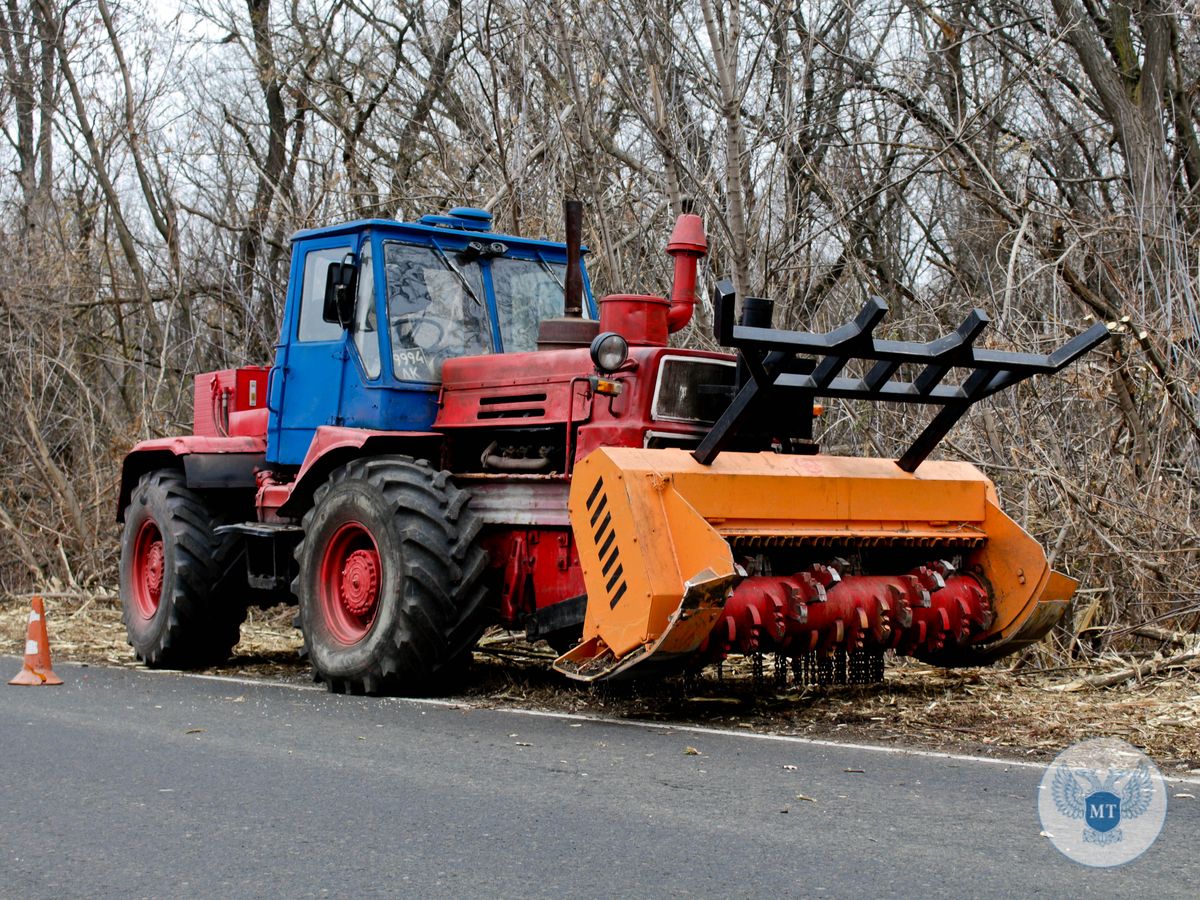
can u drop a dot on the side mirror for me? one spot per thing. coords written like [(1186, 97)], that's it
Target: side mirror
[(340, 282)]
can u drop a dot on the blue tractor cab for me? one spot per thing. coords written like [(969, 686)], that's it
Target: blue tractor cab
[(375, 307)]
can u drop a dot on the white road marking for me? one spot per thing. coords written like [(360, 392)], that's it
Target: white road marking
[(230, 679), (657, 726)]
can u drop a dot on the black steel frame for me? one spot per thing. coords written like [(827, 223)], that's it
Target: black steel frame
[(770, 356)]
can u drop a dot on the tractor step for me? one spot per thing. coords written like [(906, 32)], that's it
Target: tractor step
[(269, 562)]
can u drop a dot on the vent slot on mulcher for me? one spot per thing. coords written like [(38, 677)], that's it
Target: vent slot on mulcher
[(605, 537)]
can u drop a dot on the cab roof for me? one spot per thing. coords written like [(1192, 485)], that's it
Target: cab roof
[(463, 222)]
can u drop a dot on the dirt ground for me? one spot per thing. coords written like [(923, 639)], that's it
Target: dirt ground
[(1026, 714)]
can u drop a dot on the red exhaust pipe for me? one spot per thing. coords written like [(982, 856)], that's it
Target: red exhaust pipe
[(688, 246)]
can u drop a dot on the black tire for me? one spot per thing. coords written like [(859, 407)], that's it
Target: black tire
[(391, 587), (193, 618)]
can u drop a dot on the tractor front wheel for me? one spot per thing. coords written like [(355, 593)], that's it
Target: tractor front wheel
[(173, 565), (390, 578)]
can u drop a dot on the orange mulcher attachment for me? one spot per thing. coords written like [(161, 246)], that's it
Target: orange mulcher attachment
[(938, 571), (657, 534)]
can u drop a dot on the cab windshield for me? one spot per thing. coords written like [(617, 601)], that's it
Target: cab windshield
[(527, 291), (436, 310)]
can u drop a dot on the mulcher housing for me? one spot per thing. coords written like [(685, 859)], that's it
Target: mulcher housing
[(448, 439)]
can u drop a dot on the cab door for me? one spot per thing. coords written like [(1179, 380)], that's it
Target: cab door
[(312, 355)]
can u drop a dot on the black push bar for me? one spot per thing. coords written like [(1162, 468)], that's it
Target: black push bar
[(770, 360)]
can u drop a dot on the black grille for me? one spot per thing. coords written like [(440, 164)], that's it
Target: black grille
[(523, 406), (693, 390)]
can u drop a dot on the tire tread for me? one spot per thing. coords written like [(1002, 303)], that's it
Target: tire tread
[(443, 602), (200, 628)]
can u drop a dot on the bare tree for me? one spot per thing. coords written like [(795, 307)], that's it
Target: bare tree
[(1041, 161)]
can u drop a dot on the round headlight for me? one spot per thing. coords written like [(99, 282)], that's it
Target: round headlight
[(609, 351)]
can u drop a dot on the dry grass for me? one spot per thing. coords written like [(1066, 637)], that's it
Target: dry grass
[(90, 630), (974, 710)]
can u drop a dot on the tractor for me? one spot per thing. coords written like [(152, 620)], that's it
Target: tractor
[(454, 434)]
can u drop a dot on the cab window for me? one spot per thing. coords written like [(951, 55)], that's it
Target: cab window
[(313, 326)]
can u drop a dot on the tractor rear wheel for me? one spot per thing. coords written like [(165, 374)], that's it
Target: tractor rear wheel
[(175, 605), (390, 579)]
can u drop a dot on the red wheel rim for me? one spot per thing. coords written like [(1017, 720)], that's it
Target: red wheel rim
[(149, 569), (350, 576)]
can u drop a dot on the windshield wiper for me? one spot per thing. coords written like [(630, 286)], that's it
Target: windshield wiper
[(453, 268), (550, 271)]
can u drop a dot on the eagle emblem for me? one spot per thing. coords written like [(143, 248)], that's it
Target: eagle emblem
[(1102, 805)]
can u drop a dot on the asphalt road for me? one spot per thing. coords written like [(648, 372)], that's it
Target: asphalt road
[(138, 784)]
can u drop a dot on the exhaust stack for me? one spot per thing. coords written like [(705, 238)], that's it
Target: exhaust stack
[(687, 246), (571, 329), (573, 290)]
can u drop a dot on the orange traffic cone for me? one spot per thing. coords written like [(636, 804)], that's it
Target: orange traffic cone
[(37, 650)]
